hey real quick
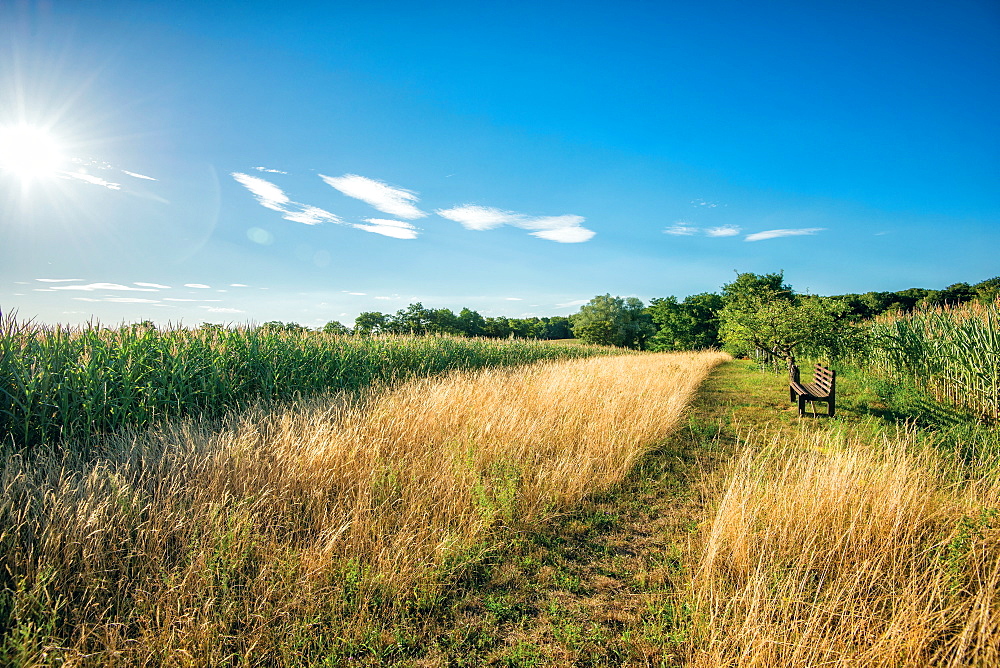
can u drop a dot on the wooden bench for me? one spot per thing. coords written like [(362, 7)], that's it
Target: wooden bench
[(823, 388)]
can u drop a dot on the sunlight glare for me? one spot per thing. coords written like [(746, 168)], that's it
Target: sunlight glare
[(29, 152)]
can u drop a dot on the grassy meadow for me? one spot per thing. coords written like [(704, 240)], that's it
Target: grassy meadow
[(291, 536), (408, 501)]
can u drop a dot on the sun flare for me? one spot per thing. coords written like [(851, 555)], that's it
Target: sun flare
[(29, 152)]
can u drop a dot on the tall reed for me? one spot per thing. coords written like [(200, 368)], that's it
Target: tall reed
[(953, 352), (290, 538), (60, 383)]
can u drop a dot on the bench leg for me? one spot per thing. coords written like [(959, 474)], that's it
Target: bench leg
[(833, 407), (802, 405)]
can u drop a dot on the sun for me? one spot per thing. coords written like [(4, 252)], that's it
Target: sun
[(29, 152)]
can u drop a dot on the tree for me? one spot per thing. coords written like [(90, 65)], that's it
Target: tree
[(613, 321), (987, 291), (370, 322), (763, 313), (688, 325), (335, 327), (471, 323)]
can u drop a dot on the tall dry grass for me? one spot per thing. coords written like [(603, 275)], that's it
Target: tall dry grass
[(285, 538), (848, 550)]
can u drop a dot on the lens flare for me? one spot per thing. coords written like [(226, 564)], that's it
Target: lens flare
[(29, 152)]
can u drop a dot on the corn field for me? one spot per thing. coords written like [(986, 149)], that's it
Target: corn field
[(60, 384), (953, 352)]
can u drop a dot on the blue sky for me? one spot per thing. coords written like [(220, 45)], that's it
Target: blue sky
[(234, 162)]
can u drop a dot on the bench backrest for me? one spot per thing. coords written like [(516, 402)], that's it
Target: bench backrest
[(825, 378)]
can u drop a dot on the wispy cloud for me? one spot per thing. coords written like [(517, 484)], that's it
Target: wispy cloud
[(57, 280), (703, 203), (221, 309), (152, 285), (564, 229), (775, 234), (270, 171), (238, 285), (91, 287), (479, 218), (723, 231), (130, 300), (274, 198), (181, 299), (575, 302), (199, 286), (138, 176), (684, 229), (118, 300), (514, 299), (681, 230), (94, 180), (380, 195), (391, 228)]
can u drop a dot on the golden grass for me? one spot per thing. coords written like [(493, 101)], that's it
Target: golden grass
[(840, 549), (280, 537)]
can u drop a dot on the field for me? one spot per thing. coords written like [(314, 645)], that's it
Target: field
[(74, 383), (482, 503)]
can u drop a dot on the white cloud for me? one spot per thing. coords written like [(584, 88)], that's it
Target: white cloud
[(723, 231), (138, 176), (575, 302), (564, 229), (271, 171), (774, 234), (222, 309), (87, 178), (90, 287), (179, 299), (119, 300), (311, 215), (268, 194), (513, 299), (200, 286), (130, 300), (479, 218), (55, 280), (566, 235), (356, 294), (152, 285), (380, 195), (238, 285), (390, 228), (701, 202), (681, 230), (274, 198)]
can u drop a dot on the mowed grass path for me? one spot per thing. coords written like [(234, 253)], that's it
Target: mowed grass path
[(601, 586)]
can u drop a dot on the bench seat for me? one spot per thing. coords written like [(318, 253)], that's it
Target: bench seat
[(822, 389)]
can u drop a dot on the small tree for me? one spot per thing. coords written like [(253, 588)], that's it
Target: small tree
[(335, 327), (763, 313), (370, 322)]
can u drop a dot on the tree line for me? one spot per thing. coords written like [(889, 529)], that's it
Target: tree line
[(755, 312)]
